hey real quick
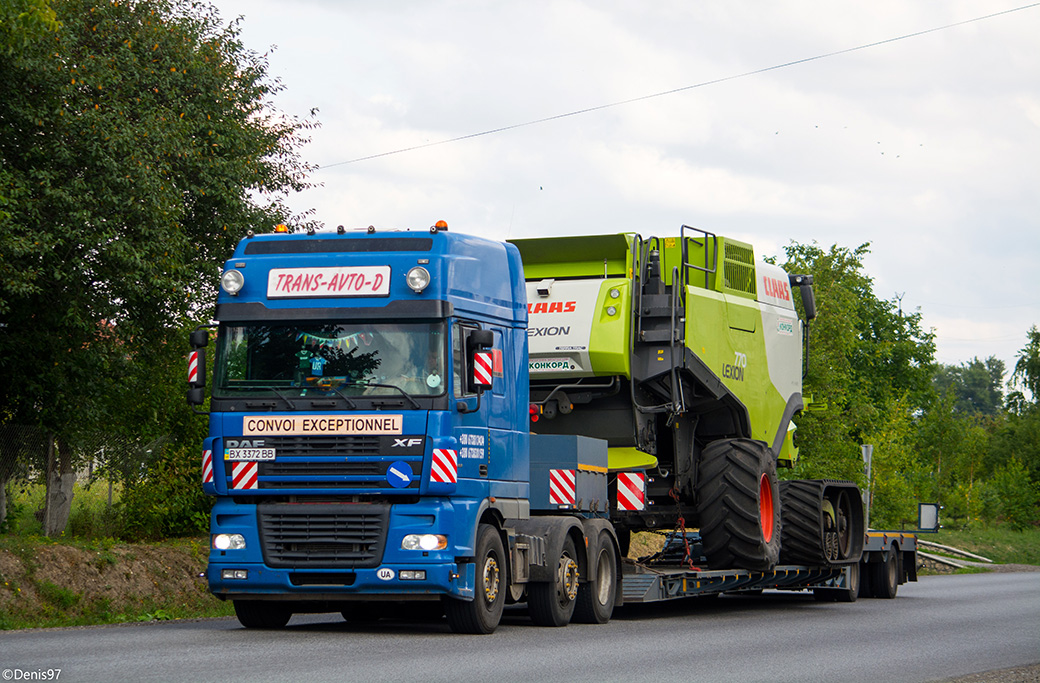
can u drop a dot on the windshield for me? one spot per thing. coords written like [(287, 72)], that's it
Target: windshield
[(349, 359)]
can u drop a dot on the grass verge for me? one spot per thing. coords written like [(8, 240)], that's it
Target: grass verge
[(1003, 546), (74, 583)]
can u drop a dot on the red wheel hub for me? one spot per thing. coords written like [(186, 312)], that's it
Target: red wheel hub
[(765, 507)]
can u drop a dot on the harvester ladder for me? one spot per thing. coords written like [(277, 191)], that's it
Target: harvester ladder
[(666, 302)]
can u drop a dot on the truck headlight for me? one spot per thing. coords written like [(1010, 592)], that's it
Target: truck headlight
[(231, 281), (424, 542), (418, 279), (229, 542)]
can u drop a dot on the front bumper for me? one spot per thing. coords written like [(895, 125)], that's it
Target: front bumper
[(273, 566)]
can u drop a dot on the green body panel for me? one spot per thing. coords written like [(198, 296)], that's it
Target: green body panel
[(725, 331), (609, 349), (621, 459), (569, 257), (734, 329)]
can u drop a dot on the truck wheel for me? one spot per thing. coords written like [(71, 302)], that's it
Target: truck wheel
[(596, 596), (364, 612), (885, 575), (552, 604), (739, 505), (262, 614), (482, 614)]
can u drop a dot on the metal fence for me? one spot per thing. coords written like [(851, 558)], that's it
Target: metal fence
[(25, 452)]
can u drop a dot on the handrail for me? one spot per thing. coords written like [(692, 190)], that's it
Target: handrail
[(708, 271)]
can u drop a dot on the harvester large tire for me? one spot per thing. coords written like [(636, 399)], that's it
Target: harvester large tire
[(822, 522), (738, 505)]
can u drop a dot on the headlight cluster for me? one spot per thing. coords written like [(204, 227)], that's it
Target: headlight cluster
[(229, 542), (612, 309), (424, 542)]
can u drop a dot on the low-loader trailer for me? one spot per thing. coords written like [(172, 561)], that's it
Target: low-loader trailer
[(430, 416)]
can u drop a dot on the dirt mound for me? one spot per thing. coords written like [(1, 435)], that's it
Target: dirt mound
[(59, 584)]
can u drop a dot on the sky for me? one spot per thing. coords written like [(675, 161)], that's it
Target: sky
[(927, 147)]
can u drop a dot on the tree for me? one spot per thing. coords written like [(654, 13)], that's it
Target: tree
[(140, 143), (977, 385), (869, 365), (1026, 374), (24, 21)]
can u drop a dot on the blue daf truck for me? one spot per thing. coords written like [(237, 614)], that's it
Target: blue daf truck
[(385, 428)]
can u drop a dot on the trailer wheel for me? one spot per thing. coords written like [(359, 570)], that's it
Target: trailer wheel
[(483, 613), (739, 505), (885, 575), (262, 614), (596, 596), (552, 603)]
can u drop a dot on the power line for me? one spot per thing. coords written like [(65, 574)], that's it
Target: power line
[(703, 84)]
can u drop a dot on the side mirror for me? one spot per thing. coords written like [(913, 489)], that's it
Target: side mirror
[(928, 517), (804, 285), (482, 370), (482, 363), (196, 396), (199, 339), (196, 377)]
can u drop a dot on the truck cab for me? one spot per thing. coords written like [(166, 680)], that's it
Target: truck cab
[(368, 413)]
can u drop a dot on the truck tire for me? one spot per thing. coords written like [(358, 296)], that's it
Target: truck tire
[(552, 603), (364, 612), (262, 614), (885, 575), (596, 596), (482, 614), (739, 505)]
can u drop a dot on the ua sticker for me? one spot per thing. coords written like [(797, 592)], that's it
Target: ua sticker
[(385, 574), (399, 474)]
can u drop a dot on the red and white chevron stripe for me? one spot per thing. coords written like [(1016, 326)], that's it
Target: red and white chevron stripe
[(631, 491), (445, 468), (482, 368), (244, 476), (207, 466), (193, 367), (561, 487)]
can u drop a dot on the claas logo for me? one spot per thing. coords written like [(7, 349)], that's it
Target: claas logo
[(778, 289), (552, 307)]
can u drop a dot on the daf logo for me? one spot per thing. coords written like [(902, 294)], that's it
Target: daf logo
[(406, 443), (244, 443)]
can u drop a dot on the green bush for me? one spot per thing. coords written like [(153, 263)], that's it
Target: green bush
[(168, 501), (1017, 494)]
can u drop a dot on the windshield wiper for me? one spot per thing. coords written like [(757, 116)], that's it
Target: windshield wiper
[(393, 386), (350, 402), (278, 394)]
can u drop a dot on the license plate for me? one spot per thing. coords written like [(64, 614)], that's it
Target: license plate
[(249, 454)]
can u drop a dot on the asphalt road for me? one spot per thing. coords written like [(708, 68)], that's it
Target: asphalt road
[(940, 627)]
